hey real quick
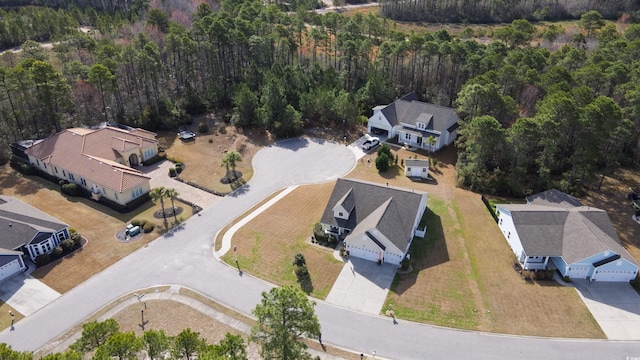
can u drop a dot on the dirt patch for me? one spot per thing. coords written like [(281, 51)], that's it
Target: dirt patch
[(95, 222), (463, 274), (203, 156), (267, 244)]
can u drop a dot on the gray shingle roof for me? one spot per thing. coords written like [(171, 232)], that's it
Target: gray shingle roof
[(554, 197), (390, 210), (409, 110), (574, 232), (416, 162), (20, 223)]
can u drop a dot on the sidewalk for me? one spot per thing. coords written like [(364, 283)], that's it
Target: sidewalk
[(172, 294)]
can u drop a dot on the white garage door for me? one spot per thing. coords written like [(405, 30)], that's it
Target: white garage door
[(612, 275), (579, 272), (9, 269), (363, 253)]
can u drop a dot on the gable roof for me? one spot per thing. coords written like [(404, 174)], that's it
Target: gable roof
[(554, 197), (409, 110), (391, 211), (93, 154), (574, 233), (417, 162), (20, 223)]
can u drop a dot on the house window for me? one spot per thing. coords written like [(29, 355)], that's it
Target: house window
[(83, 182), (408, 169), (45, 165), (500, 221), (407, 136), (340, 214), (64, 173), (71, 177), (56, 169), (104, 191), (509, 235), (38, 161), (116, 195), (424, 169)]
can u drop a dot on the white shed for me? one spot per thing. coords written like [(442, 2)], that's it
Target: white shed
[(416, 168)]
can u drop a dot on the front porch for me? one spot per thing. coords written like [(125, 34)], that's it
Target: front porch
[(419, 139)]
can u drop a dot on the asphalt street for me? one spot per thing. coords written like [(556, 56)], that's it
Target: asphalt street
[(185, 257)]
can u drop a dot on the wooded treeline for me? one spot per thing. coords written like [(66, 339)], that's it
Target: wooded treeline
[(503, 11), (270, 70), (110, 6)]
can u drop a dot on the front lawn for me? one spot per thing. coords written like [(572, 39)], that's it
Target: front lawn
[(268, 244), (95, 222), (463, 273)]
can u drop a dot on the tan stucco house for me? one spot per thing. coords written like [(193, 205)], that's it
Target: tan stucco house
[(98, 160)]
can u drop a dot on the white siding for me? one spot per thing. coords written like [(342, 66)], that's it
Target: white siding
[(505, 222)]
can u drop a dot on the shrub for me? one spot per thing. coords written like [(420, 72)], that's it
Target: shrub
[(62, 182), (172, 172), (222, 128), (75, 237), (42, 259), (179, 168), (382, 162), (57, 251), (71, 189), (302, 272), (299, 260), (174, 160), (210, 141), (67, 244), (203, 127), (135, 222), (148, 227)]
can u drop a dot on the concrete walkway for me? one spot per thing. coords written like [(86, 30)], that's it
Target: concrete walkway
[(172, 294), (362, 286), (26, 294), (226, 239), (615, 306), (159, 174)]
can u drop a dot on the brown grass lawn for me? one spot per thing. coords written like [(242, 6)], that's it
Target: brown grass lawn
[(268, 243), (463, 272), (97, 223), (203, 158)]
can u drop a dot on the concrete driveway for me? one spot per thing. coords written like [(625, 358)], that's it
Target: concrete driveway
[(159, 173), (362, 286), (26, 294), (615, 306)]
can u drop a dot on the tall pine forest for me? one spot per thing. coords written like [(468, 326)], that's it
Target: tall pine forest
[(543, 104)]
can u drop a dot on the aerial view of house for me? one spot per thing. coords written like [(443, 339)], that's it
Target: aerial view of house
[(554, 230), (99, 160), (416, 123), (377, 222), (26, 231)]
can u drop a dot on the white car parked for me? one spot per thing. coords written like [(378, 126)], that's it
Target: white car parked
[(370, 142)]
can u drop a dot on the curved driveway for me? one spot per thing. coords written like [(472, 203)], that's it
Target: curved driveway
[(185, 257)]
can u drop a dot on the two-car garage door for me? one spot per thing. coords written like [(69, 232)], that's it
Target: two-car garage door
[(613, 275), (579, 271), (9, 269)]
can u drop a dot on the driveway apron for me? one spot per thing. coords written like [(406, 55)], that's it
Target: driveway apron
[(615, 306), (362, 286), (26, 294)]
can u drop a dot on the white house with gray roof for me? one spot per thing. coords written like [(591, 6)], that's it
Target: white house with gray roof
[(554, 230), (377, 222), (26, 231), (416, 123)]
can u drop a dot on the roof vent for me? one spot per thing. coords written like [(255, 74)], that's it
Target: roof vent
[(10, 225)]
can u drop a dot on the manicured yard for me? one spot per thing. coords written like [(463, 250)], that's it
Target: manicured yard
[(97, 223), (267, 244), (463, 271), (203, 155)]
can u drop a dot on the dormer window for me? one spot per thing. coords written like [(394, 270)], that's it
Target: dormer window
[(341, 214)]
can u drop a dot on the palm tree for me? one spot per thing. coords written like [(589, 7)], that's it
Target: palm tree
[(230, 159), (159, 193), (173, 195), (431, 141)]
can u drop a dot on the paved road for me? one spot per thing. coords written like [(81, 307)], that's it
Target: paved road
[(185, 257)]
